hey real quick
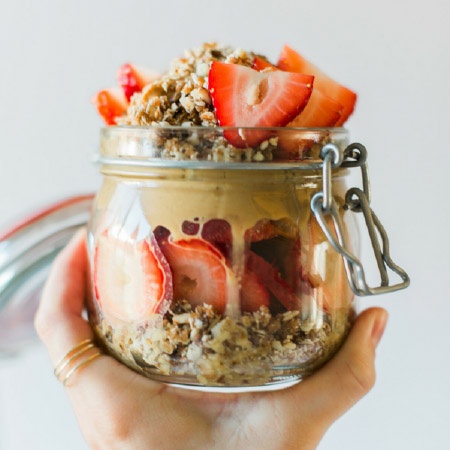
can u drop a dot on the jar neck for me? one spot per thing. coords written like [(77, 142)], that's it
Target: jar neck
[(244, 175)]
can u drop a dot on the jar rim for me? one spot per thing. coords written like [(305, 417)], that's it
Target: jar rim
[(200, 127), (217, 147)]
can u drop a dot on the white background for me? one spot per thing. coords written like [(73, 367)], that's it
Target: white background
[(54, 55)]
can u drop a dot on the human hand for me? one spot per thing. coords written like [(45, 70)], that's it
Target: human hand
[(117, 408)]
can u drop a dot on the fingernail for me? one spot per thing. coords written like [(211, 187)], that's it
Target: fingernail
[(378, 328)]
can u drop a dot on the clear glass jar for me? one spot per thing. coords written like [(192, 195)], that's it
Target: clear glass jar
[(208, 267)]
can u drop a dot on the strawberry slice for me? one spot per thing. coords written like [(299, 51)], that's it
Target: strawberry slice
[(133, 78), (261, 64), (291, 61), (215, 231), (132, 281), (111, 104), (244, 97), (272, 280), (253, 293), (267, 229), (321, 111), (199, 272)]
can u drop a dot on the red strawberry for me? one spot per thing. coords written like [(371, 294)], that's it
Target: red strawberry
[(132, 280), (267, 229), (291, 61), (199, 272), (253, 293), (218, 233), (111, 104), (244, 97), (133, 79), (272, 280), (260, 64), (321, 111)]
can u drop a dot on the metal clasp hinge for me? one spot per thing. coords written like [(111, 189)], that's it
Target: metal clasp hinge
[(356, 200)]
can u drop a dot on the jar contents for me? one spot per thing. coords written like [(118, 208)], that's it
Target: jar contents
[(208, 267), (249, 296)]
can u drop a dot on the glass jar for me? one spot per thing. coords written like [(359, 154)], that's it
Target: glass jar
[(209, 268)]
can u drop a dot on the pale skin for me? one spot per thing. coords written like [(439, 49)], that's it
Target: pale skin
[(119, 409)]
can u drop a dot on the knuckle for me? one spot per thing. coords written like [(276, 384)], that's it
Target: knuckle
[(43, 325), (39, 324)]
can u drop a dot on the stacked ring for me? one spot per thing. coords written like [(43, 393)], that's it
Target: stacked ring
[(74, 359)]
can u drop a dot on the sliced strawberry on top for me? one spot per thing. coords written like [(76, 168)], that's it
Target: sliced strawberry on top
[(132, 281), (321, 111), (261, 64), (244, 97), (291, 61), (133, 78), (199, 272), (253, 293), (111, 104)]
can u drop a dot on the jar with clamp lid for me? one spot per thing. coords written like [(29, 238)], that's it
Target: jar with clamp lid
[(226, 268)]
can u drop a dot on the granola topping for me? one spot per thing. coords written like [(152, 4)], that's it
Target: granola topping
[(181, 96)]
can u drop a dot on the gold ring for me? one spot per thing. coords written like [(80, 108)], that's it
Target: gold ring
[(72, 360)]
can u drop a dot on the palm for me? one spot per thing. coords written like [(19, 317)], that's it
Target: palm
[(163, 417)]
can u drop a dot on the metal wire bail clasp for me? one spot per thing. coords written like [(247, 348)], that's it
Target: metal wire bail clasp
[(357, 200)]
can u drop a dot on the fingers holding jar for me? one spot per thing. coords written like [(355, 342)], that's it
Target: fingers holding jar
[(348, 377), (59, 321)]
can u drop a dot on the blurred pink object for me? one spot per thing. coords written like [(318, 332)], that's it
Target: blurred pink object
[(27, 249)]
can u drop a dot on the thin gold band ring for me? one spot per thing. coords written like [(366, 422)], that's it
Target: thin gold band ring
[(73, 360)]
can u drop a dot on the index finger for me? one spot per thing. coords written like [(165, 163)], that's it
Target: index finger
[(59, 321)]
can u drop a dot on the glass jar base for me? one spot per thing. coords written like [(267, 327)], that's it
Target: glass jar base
[(191, 383)]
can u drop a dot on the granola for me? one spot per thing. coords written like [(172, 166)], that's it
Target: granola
[(214, 85), (181, 97), (216, 350)]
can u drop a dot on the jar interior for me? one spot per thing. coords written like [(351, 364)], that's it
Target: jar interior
[(216, 277)]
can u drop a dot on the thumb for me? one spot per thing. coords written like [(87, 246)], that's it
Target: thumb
[(344, 380)]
